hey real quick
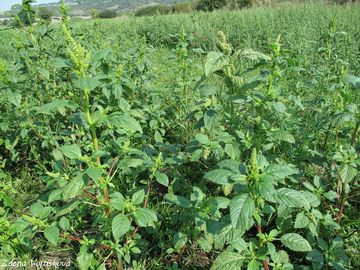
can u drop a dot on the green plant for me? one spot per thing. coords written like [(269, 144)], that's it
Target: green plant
[(106, 14)]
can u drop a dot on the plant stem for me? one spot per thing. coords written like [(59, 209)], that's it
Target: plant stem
[(265, 262), (353, 137), (96, 146)]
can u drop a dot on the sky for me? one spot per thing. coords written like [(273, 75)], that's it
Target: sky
[(6, 4)]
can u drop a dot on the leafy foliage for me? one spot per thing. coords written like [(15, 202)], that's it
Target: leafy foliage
[(161, 154)]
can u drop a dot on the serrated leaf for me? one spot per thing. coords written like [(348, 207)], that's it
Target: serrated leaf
[(295, 242), (120, 225), (242, 209), (229, 261), (52, 234)]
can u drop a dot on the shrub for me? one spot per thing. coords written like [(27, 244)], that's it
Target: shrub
[(45, 14), (210, 5), (182, 8), (106, 14), (153, 10)]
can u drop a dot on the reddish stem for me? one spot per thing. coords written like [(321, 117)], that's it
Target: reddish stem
[(265, 262)]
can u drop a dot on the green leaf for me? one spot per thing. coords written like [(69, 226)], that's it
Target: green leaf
[(125, 122), (73, 188), (52, 234), (64, 223), (347, 173), (218, 176), (55, 195), (15, 98), (87, 83), (117, 201), (278, 172), (229, 261), (253, 265), (178, 200), (214, 62), (301, 221), (255, 55), (353, 80), (138, 197), (242, 209), (210, 119), (202, 138), (145, 217), (295, 242), (94, 173), (292, 198), (162, 179), (84, 259), (67, 208), (282, 135), (120, 226), (71, 151)]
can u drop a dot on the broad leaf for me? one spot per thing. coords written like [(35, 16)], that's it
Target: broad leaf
[(229, 261), (71, 151), (242, 208), (52, 234), (295, 242), (120, 226), (214, 62)]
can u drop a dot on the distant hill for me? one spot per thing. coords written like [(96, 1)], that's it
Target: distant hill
[(83, 7)]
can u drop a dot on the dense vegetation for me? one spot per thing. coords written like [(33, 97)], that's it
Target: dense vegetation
[(224, 140)]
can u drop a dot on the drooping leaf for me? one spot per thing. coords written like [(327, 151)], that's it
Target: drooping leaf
[(87, 83), (214, 62)]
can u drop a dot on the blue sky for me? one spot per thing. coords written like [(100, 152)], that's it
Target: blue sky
[(6, 4)]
